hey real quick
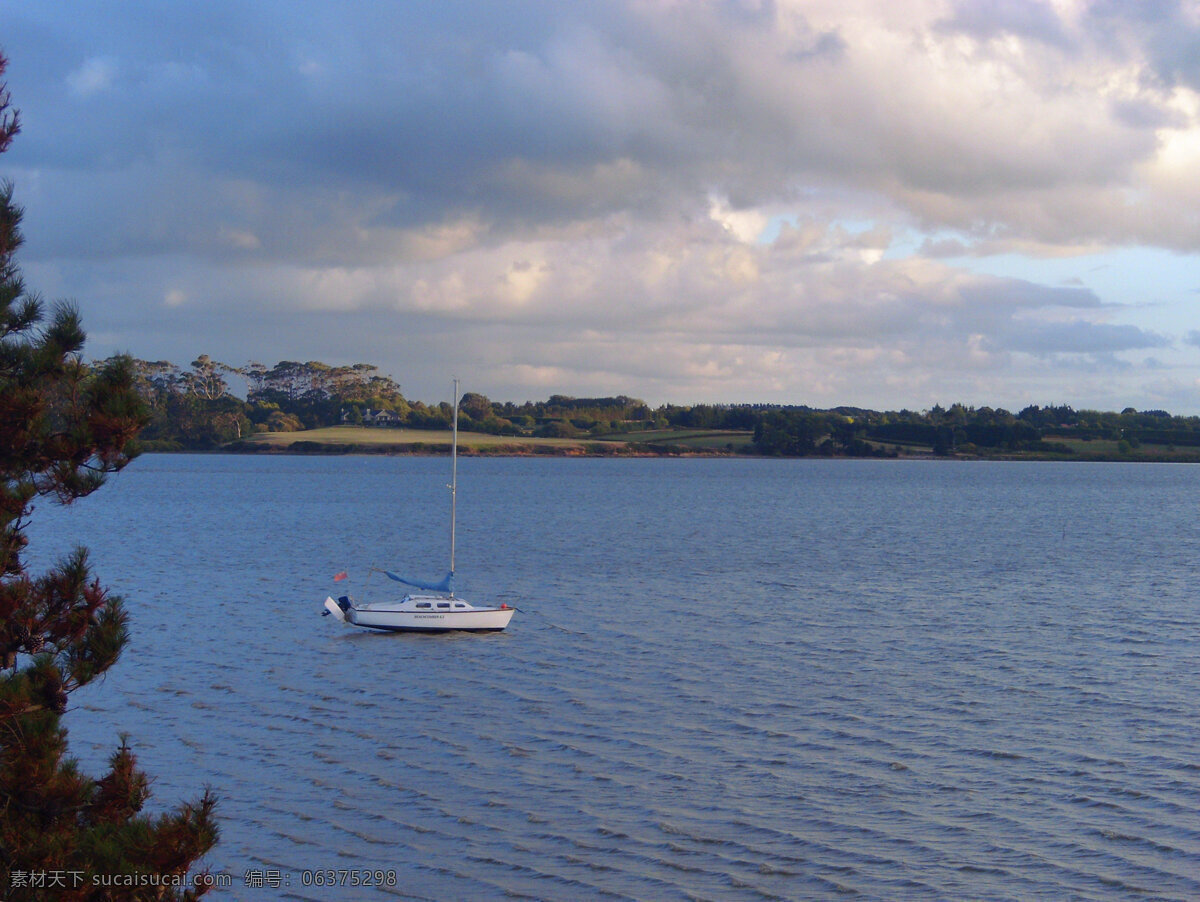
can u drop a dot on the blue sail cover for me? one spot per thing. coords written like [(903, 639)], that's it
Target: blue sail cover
[(444, 586)]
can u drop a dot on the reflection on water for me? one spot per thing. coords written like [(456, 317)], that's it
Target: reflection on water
[(729, 679)]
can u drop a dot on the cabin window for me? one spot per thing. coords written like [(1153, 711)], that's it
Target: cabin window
[(423, 604), (460, 605), (443, 604)]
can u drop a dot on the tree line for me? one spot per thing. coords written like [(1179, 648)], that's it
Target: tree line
[(965, 430), (210, 404)]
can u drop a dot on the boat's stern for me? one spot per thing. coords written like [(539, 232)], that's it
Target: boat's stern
[(337, 608)]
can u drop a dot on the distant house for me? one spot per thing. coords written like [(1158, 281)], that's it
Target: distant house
[(373, 417), (381, 418)]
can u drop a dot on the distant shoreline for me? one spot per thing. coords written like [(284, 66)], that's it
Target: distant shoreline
[(514, 449), (480, 445)]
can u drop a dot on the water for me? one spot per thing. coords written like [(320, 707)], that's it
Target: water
[(735, 679)]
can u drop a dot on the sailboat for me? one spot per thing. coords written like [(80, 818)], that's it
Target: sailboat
[(440, 610)]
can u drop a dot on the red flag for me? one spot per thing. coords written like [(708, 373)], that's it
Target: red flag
[(338, 577)]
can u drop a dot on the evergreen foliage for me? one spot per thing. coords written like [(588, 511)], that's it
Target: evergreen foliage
[(63, 427)]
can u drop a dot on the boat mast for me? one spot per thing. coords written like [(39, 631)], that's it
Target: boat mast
[(453, 480)]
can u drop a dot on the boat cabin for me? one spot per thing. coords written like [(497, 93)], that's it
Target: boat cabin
[(439, 604)]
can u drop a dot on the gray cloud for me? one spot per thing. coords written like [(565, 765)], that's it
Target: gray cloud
[(339, 180), (987, 19), (517, 113), (1164, 33), (1083, 338)]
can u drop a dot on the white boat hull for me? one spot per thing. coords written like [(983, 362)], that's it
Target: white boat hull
[(421, 614)]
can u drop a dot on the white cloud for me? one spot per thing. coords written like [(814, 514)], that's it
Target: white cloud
[(95, 76), (240, 239), (720, 200), (745, 225)]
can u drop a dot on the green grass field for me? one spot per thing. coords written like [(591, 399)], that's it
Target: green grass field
[(699, 439), (364, 439), (367, 439), (365, 435), (1104, 449)]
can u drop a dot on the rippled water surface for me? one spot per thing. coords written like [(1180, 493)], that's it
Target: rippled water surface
[(731, 679)]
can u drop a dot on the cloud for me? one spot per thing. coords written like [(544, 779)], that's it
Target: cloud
[(715, 102), (1084, 338), (95, 76), (527, 119), (997, 19), (745, 194), (1164, 35)]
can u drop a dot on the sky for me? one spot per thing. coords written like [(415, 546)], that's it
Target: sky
[(827, 202)]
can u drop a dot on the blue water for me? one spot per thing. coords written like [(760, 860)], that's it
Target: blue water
[(731, 679)]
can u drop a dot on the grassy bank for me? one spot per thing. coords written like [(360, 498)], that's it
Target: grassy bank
[(368, 440), (1102, 449), (659, 442), (365, 439)]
